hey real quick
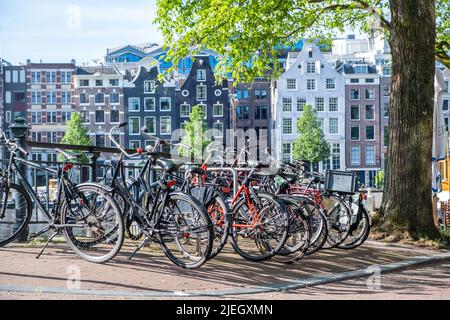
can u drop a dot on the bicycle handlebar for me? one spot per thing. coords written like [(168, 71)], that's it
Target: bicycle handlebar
[(12, 146)]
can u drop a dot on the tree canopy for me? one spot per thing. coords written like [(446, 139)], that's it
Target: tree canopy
[(247, 33), (195, 134), (310, 144), (76, 133)]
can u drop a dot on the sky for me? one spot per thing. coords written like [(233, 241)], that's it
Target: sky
[(60, 30)]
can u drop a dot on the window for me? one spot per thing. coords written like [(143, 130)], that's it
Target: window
[(370, 154), (66, 76), (370, 80), (386, 109), (85, 116), (7, 76), (360, 69), (65, 116), (100, 139), (51, 116), (114, 98), (445, 105), (8, 116), (310, 53), (333, 125), (354, 80), (386, 71), (51, 137), (36, 117), (310, 67), (287, 125), (8, 96), (355, 155), (99, 116), (134, 125), (50, 76), (149, 86), (100, 98), (19, 97), (242, 112), (320, 104), (387, 90), (15, 76), (113, 82), (370, 94), (326, 164), (84, 83), (311, 84), (99, 83), (386, 136), (218, 110), (287, 104), (370, 112), (51, 97), (114, 116), (261, 94), (201, 75), (260, 112), (354, 94), (149, 104), (370, 133), (150, 124), (166, 125), (66, 97), (354, 112), (286, 151), (301, 104), (333, 104), (84, 98), (35, 77), (218, 129), (185, 110), (331, 83), (321, 123), (201, 92), (36, 136), (291, 84), (242, 93), (204, 109), (164, 104), (354, 133), (134, 144), (336, 156), (134, 104)]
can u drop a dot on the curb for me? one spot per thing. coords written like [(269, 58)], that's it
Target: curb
[(282, 286)]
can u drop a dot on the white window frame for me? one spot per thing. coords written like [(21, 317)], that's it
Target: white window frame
[(308, 65), (330, 104), (370, 91), (201, 75), (131, 127), (365, 112), (114, 94), (291, 84), (359, 132), (285, 126), (373, 160), (312, 81), (151, 84), (145, 104), (95, 117), (287, 104), (350, 94), (301, 102), (330, 85), (214, 110), (197, 92), (170, 124), (215, 129), (365, 135), (134, 99), (322, 104), (182, 115), (95, 98), (359, 112), (110, 118), (52, 99), (165, 99), (88, 98), (336, 125), (354, 148), (154, 124)]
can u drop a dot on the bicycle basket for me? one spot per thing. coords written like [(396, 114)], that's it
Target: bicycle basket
[(341, 181)]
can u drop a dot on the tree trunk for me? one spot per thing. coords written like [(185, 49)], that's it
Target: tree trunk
[(407, 205)]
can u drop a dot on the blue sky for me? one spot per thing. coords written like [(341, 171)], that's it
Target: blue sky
[(59, 30)]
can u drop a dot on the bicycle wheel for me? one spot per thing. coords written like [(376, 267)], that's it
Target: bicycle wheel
[(14, 201), (94, 224), (359, 229), (339, 217), (184, 230), (219, 214), (297, 242), (259, 228)]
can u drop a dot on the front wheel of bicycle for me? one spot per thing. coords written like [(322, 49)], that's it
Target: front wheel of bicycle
[(94, 227), (359, 229), (184, 230), (15, 212)]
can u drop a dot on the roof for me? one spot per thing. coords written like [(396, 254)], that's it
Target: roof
[(101, 70), (350, 68)]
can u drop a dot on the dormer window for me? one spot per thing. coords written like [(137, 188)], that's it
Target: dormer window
[(310, 53), (310, 67), (201, 75), (149, 86), (360, 69)]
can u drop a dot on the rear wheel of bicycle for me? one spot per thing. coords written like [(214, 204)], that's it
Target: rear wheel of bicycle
[(15, 212), (219, 214), (260, 239), (95, 228), (338, 215), (297, 242), (185, 230), (359, 229)]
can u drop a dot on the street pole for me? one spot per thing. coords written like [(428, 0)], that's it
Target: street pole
[(20, 130)]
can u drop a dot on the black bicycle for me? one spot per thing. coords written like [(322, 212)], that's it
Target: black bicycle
[(86, 214)]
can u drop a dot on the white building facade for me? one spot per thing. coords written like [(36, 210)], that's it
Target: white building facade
[(309, 79)]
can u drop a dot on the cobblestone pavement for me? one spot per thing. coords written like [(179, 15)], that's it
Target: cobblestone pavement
[(150, 270)]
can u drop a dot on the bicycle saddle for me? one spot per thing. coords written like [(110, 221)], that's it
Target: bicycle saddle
[(69, 155), (290, 178), (168, 165), (190, 168)]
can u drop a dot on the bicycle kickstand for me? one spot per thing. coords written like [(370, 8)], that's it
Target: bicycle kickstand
[(143, 243), (46, 244)]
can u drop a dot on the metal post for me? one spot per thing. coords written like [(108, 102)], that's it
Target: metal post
[(92, 166), (20, 130)]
